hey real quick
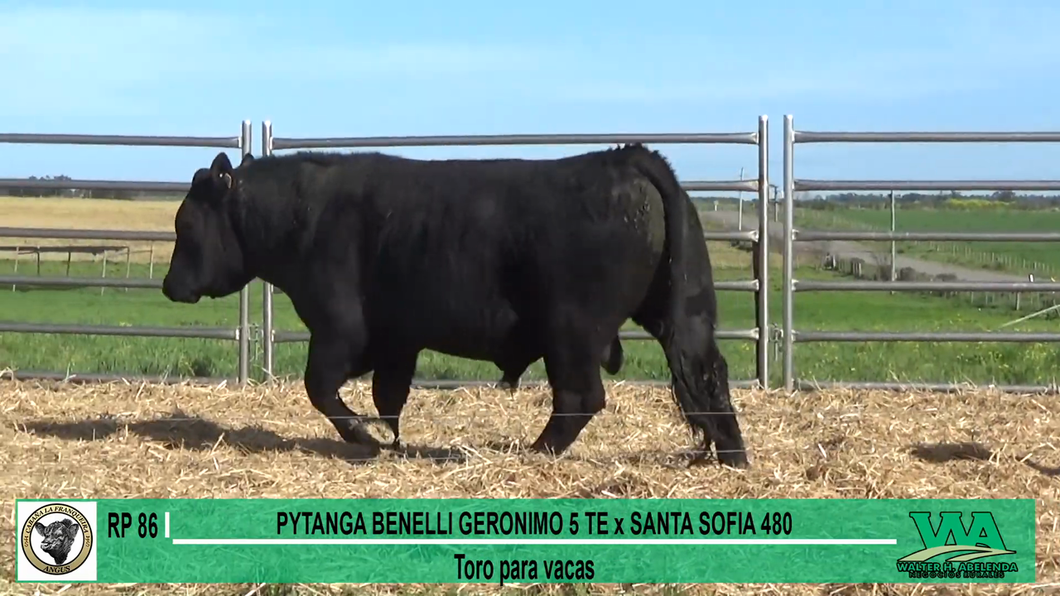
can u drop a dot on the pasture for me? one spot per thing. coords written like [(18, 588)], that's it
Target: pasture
[(999, 363), (1038, 258)]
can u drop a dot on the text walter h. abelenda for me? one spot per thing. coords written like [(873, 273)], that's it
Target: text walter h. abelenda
[(416, 523)]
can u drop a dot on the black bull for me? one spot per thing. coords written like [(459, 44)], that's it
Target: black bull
[(505, 261)]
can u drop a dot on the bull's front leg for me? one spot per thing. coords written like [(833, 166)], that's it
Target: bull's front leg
[(327, 369)]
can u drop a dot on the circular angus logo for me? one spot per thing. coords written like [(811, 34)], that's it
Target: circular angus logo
[(56, 539)]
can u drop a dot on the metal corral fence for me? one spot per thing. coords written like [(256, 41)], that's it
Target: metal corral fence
[(240, 334), (790, 336), (759, 285), (785, 334)]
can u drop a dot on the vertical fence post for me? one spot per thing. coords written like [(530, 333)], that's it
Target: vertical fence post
[(894, 245), (245, 139), (789, 250), (739, 205), (763, 253), (266, 297)]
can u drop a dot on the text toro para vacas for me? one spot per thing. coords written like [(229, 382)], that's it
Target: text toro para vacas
[(530, 523)]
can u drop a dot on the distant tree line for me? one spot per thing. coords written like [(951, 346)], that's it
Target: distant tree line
[(941, 200), (12, 190)]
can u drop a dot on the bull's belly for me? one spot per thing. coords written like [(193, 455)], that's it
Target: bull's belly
[(475, 330)]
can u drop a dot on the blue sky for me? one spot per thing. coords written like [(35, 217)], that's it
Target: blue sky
[(478, 66)]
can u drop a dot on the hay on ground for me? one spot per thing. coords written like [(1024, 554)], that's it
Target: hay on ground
[(151, 441)]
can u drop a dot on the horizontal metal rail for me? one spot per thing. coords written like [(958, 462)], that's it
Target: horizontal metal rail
[(232, 142), (926, 137), (818, 235), (925, 336), (114, 330), (922, 286), (702, 185), (79, 282), (790, 335), (129, 185), (739, 138), (806, 385), (110, 378), (67, 234), (744, 334), (731, 235), (442, 384), (914, 185)]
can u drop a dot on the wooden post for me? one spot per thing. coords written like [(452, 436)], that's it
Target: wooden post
[(128, 264), (18, 253), (151, 263), (101, 290)]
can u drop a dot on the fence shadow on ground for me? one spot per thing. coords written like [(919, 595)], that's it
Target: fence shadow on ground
[(179, 431)]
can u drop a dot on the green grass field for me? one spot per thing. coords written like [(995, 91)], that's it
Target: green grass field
[(999, 363), (1015, 257)]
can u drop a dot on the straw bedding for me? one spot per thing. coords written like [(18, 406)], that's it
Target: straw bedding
[(130, 440)]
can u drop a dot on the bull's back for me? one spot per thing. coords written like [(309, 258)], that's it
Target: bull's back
[(468, 250)]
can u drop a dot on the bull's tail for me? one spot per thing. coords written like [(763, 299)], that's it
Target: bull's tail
[(684, 325)]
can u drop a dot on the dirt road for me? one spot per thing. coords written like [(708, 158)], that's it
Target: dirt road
[(855, 250)]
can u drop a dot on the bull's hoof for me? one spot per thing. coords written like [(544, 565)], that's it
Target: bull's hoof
[(508, 385), (358, 435), (734, 459), (738, 461)]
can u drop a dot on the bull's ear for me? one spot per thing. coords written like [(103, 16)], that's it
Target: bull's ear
[(247, 158), (221, 169), (72, 528), (39, 527)]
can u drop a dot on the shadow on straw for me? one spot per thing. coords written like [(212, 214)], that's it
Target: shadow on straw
[(939, 453), (178, 431)]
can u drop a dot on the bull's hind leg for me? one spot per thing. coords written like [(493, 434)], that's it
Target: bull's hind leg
[(390, 390), (327, 369), (572, 363)]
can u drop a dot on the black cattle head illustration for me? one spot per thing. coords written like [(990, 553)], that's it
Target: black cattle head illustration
[(58, 538)]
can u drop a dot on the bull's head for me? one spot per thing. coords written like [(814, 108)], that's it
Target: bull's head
[(58, 538), (208, 258)]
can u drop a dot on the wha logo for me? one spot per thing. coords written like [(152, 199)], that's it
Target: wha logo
[(952, 550)]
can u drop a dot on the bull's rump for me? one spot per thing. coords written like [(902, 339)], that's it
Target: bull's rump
[(468, 253)]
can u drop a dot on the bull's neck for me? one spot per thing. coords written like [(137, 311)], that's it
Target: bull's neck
[(269, 242)]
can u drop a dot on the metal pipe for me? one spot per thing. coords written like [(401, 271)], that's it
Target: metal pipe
[(828, 235), (701, 185), (740, 138), (788, 290), (749, 285), (894, 245), (79, 282), (457, 384), (927, 137), (56, 233), (916, 185), (918, 386), (923, 336), (723, 334), (267, 333), (751, 235), (922, 286), (762, 360), (129, 185), (245, 146), (79, 378), (118, 331), (121, 140)]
